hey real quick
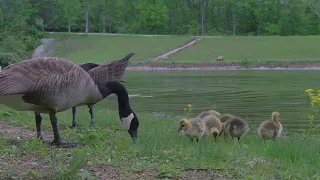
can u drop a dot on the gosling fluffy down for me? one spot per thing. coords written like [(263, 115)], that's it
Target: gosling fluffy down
[(223, 119), (193, 128), (271, 129), (213, 126), (206, 113), (236, 127)]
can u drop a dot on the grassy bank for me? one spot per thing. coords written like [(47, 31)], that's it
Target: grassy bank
[(159, 152), (245, 51), (97, 48), (257, 49)]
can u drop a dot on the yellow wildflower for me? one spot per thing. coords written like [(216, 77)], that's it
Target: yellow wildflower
[(189, 105), (309, 91)]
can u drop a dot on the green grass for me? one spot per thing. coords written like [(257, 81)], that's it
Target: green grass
[(161, 148), (258, 50), (96, 48), (267, 48)]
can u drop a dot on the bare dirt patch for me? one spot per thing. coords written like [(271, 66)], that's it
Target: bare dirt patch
[(15, 132), (204, 174), (116, 173), (23, 166)]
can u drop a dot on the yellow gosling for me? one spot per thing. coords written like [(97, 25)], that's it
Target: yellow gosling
[(271, 129), (206, 113), (213, 126), (193, 128)]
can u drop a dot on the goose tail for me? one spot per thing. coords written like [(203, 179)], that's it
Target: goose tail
[(127, 57)]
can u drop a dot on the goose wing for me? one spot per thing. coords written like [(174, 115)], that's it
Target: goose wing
[(111, 71), (88, 66), (32, 74)]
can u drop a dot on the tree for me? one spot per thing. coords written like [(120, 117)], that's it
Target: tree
[(87, 2), (315, 7)]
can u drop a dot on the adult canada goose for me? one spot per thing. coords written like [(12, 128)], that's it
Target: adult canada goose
[(271, 129), (111, 71), (206, 113), (213, 126), (193, 128), (236, 127), (50, 85)]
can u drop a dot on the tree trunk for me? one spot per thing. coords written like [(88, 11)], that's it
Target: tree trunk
[(234, 23), (202, 16), (87, 16), (227, 21), (258, 30), (69, 20), (104, 17), (110, 28)]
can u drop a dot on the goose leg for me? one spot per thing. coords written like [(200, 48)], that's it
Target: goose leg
[(74, 124), (92, 116), (57, 139), (38, 125), (191, 139)]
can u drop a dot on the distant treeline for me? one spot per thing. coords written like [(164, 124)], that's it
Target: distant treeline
[(23, 21)]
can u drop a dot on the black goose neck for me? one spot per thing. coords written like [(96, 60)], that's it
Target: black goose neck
[(122, 95)]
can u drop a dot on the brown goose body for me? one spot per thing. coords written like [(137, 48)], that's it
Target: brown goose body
[(101, 74), (50, 85), (45, 85)]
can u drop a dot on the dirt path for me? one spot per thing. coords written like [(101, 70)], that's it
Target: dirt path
[(177, 49)]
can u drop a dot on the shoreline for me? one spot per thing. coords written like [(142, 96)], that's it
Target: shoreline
[(223, 66)]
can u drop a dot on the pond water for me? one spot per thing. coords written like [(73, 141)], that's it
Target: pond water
[(252, 95)]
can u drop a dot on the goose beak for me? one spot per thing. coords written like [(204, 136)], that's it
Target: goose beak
[(133, 135), (179, 129)]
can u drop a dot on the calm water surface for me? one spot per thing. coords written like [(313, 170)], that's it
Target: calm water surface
[(252, 95)]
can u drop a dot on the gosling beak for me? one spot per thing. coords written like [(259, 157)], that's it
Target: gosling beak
[(179, 129), (133, 135)]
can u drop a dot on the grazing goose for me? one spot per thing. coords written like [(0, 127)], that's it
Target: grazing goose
[(111, 71), (271, 129), (236, 127), (213, 126), (193, 128), (50, 85), (206, 113), (223, 119)]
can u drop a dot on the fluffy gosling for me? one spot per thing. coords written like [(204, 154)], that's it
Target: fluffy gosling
[(213, 126), (193, 128), (223, 119), (236, 127), (206, 113), (271, 129)]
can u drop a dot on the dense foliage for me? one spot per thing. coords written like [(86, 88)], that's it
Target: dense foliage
[(22, 20), (196, 17)]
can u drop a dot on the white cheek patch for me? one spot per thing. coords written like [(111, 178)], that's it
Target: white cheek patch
[(127, 121)]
